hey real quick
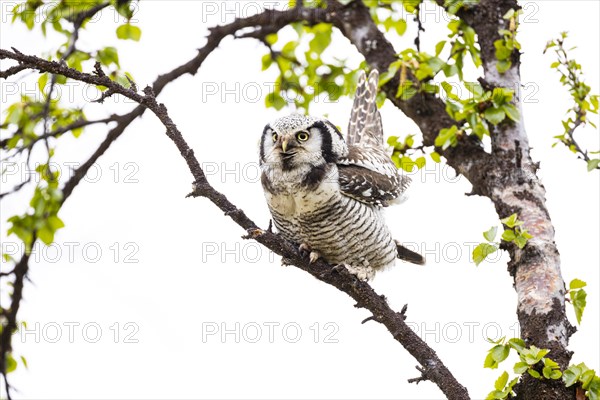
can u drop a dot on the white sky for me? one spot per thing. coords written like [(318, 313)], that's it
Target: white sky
[(170, 271)]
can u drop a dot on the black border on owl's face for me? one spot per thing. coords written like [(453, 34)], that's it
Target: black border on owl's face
[(329, 133)]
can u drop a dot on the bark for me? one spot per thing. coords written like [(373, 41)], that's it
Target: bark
[(507, 176), (432, 368)]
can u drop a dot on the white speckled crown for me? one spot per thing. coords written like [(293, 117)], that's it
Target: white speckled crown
[(292, 123)]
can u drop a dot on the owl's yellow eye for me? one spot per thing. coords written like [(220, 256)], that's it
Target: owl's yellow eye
[(302, 136), (275, 137)]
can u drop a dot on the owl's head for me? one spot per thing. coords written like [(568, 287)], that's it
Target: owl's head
[(297, 140)]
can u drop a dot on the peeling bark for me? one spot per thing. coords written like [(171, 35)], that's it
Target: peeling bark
[(507, 176)]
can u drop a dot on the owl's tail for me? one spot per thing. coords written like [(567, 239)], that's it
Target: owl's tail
[(409, 255)]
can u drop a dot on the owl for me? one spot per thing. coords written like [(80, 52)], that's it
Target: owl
[(327, 193)]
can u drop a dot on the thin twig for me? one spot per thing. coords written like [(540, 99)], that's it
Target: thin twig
[(12, 71), (361, 292)]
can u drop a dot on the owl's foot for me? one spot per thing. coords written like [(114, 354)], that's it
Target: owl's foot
[(305, 250), (314, 256), (362, 273)]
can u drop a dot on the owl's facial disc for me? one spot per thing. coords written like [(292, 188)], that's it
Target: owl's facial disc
[(299, 142)]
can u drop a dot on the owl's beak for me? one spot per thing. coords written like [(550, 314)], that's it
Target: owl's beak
[(284, 144)]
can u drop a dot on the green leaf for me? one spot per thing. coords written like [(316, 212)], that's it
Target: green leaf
[(271, 38), (24, 361), (439, 47), (508, 235), (534, 373), (520, 367), (266, 61), (123, 8), (502, 52), (511, 112), (406, 90), (46, 235), (275, 100), (577, 284), (586, 378), (509, 14), (593, 164), (555, 374), (42, 80), (435, 157), (494, 115), (108, 55), (594, 389), (435, 63), (55, 222), (489, 362), (475, 88), (537, 353), (511, 221), (447, 138), (390, 73), (76, 58), (548, 362), (570, 377), (520, 241), (400, 27), (500, 352), (501, 381), (503, 65), (61, 80), (578, 299), (482, 251), (490, 234), (128, 31), (322, 38), (11, 363), (517, 344), (420, 162), (406, 163)]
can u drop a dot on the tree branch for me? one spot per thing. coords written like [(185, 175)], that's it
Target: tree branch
[(427, 111), (191, 67), (10, 323), (81, 123), (365, 296), (12, 71), (513, 186)]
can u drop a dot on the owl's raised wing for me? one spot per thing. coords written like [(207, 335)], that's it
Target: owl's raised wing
[(368, 175), (365, 122)]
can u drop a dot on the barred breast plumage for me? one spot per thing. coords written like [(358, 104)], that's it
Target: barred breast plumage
[(327, 194)]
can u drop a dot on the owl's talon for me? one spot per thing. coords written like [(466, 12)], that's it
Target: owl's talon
[(314, 256), (304, 250), (338, 268)]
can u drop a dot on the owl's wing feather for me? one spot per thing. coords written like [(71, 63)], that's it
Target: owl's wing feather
[(368, 175), (365, 122)]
